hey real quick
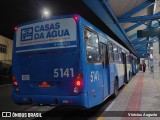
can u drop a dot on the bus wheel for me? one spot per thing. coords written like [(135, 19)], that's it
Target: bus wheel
[(115, 88)]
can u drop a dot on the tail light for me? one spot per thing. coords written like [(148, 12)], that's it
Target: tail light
[(76, 18), (44, 85), (78, 83), (14, 80), (15, 28), (15, 83)]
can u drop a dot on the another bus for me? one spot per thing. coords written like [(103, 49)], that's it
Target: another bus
[(66, 61)]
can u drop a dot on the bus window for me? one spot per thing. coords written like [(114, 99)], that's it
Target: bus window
[(122, 57), (101, 48), (128, 59), (111, 54), (92, 49), (110, 47), (115, 50), (119, 53), (119, 50)]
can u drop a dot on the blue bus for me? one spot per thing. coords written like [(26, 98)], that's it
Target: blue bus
[(66, 61)]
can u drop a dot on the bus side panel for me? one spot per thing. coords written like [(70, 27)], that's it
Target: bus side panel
[(116, 70), (95, 84), (92, 74), (112, 73), (83, 61), (121, 71)]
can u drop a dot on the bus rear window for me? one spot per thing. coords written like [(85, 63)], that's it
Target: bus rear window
[(92, 49)]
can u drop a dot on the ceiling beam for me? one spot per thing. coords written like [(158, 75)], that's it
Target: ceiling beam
[(134, 26), (137, 40), (137, 24), (132, 36), (142, 50), (140, 42), (139, 18), (105, 2), (140, 46)]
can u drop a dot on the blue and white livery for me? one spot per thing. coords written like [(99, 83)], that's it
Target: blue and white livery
[(66, 61)]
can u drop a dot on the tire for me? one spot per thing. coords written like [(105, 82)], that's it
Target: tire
[(115, 94)]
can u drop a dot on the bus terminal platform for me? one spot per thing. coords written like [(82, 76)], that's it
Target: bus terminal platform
[(138, 100)]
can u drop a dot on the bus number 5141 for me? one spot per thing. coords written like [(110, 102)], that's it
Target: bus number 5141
[(94, 76), (68, 72)]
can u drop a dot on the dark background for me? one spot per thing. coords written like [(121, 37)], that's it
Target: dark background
[(15, 12)]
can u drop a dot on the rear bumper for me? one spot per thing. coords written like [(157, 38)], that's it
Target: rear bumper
[(78, 101)]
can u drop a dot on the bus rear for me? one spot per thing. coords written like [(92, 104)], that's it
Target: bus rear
[(46, 63)]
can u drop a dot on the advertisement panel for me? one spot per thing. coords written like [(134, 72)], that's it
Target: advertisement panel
[(60, 33)]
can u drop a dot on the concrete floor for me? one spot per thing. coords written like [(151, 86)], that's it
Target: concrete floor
[(141, 96)]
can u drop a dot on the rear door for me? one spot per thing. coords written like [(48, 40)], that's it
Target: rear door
[(111, 67), (105, 69), (125, 66)]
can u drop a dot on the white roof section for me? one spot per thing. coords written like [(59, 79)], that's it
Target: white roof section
[(121, 7)]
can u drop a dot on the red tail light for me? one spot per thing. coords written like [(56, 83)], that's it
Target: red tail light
[(44, 85), (15, 28), (15, 83), (78, 83), (76, 18)]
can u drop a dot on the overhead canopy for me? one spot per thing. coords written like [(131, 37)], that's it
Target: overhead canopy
[(125, 17)]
